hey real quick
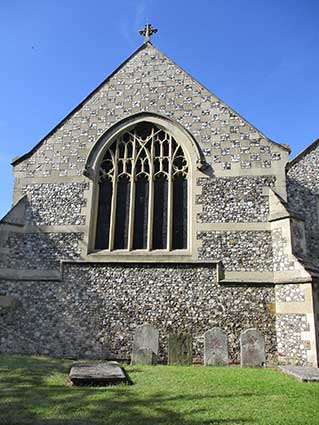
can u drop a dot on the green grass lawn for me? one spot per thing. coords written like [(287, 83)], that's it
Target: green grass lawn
[(34, 390)]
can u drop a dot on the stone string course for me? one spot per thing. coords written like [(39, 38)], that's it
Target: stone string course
[(40, 251), (239, 251), (233, 199), (149, 81), (291, 348), (96, 309), (55, 204)]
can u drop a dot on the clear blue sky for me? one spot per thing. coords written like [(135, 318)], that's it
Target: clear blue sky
[(259, 56)]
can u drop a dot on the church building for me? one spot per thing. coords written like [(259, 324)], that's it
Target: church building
[(155, 202)]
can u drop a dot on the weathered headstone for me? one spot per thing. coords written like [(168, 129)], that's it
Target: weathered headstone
[(104, 373), (145, 356), (145, 337), (252, 348), (215, 348), (180, 349)]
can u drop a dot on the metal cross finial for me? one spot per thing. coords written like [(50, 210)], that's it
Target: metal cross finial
[(147, 32)]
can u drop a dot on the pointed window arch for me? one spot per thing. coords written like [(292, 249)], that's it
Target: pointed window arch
[(143, 192)]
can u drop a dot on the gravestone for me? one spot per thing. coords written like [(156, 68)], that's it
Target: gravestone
[(180, 349), (104, 373), (145, 356), (145, 337), (252, 348), (215, 348)]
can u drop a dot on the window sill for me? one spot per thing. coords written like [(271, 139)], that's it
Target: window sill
[(177, 256), (142, 256)]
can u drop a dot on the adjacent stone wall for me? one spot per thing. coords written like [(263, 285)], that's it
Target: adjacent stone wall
[(96, 309), (303, 196), (239, 251), (316, 315), (234, 199)]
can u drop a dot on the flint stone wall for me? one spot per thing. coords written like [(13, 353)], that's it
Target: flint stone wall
[(39, 251), (234, 199), (96, 309), (281, 260), (303, 197), (289, 293), (54, 204), (239, 250), (291, 347)]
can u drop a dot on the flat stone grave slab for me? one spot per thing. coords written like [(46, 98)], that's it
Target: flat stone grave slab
[(102, 373), (180, 349), (215, 348), (302, 373)]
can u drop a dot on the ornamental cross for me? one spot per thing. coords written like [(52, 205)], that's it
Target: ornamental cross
[(147, 32)]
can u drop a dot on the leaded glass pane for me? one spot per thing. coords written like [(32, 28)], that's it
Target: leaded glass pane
[(141, 213), (160, 213), (122, 214), (179, 234), (104, 214)]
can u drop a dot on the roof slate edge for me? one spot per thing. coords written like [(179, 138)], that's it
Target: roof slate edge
[(25, 156), (21, 158), (301, 154)]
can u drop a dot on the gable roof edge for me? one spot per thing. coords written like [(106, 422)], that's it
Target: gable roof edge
[(25, 156), (301, 154), (284, 146), (21, 158)]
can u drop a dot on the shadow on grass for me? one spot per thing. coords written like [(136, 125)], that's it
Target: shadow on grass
[(26, 398)]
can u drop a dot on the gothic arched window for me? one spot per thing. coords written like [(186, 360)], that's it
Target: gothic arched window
[(143, 192)]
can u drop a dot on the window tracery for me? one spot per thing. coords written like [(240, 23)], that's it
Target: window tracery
[(143, 192)]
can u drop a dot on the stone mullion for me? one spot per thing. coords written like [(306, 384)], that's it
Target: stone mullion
[(132, 196), (114, 198), (151, 196), (170, 196)]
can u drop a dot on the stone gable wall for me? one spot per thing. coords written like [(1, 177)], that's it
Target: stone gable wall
[(93, 310), (52, 177), (149, 81)]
